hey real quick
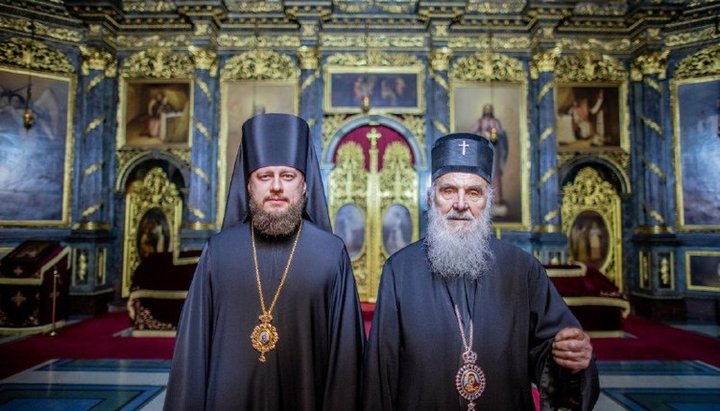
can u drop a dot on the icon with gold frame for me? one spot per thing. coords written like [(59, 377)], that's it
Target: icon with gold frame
[(697, 150), (589, 116), (506, 102), (380, 89), (155, 113), (35, 163), (702, 270)]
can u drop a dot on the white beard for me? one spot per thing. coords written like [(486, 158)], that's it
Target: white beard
[(459, 252)]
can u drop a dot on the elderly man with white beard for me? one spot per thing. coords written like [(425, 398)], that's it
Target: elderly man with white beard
[(466, 321)]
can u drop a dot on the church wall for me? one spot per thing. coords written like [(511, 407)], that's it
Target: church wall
[(632, 48)]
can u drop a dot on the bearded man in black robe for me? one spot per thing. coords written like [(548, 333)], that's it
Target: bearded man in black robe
[(466, 321), (272, 320)]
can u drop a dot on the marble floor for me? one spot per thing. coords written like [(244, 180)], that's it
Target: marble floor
[(81, 384), (140, 385)]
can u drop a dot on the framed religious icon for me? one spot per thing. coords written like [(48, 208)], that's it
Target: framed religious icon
[(35, 161), (240, 100), (696, 107), (350, 226), (153, 233), (589, 239), (590, 117), (155, 113), (380, 89), (498, 112), (397, 228), (702, 270)]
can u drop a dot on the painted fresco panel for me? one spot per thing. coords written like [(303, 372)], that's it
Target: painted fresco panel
[(34, 163), (697, 150)]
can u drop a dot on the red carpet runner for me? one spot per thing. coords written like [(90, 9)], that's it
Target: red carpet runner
[(94, 339), (657, 341), (85, 340)]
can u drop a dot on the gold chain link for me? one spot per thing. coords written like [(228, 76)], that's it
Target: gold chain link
[(282, 280)]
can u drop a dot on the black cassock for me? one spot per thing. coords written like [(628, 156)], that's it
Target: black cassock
[(316, 364), (415, 346)]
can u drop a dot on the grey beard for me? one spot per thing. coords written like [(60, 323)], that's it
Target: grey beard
[(466, 254), (276, 224)]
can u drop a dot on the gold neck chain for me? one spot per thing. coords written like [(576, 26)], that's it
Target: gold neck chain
[(264, 337), (282, 279)]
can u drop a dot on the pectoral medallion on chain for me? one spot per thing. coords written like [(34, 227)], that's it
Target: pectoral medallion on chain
[(264, 336), (470, 379)]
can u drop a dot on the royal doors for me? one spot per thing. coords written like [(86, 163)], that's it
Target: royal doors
[(373, 199)]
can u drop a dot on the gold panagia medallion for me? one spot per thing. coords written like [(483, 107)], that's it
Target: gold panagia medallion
[(264, 336)]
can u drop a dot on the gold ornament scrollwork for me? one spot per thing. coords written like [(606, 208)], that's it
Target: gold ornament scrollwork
[(309, 58), (252, 42), (100, 266), (416, 125), (35, 55), (649, 64), (396, 42), (544, 61), (439, 30), (440, 59), (485, 43), (609, 8), (155, 191), (148, 5), (374, 58), (127, 155), (396, 6), (154, 41), (398, 185), (398, 179), (496, 7), (644, 268), (24, 25), (98, 59), (692, 36), (705, 62), (352, 6), (487, 67), (666, 271), (158, 63), (260, 65), (245, 6), (81, 266), (620, 159), (182, 153), (589, 66), (348, 183), (330, 125), (589, 192), (592, 44), (204, 59)]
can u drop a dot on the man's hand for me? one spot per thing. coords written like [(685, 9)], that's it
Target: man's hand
[(572, 349)]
